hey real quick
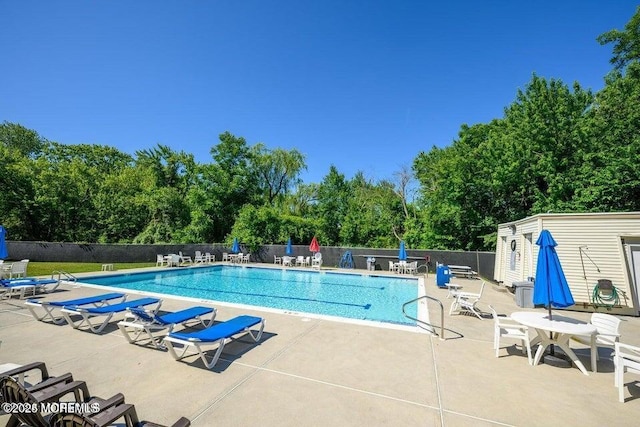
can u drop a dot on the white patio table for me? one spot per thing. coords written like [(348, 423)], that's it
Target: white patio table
[(558, 331), (287, 261)]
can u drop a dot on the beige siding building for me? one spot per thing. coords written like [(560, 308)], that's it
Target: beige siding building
[(591, 247)]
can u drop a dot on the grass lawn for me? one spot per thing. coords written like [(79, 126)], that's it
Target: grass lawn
[(46, 268)]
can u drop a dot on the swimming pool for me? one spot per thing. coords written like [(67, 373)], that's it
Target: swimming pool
[(353, 296)]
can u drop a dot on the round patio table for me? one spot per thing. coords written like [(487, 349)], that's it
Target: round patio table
[(558, 331)]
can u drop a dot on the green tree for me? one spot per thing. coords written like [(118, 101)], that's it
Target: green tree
[(68, 182), (26, 141), (168, 215), (278, 170), (610, 172), (174, 174), (170, 168), (374, 214), (544, 125), (626, 43), (229, 183), (257, 226), (333, 195), (121, 204), (18, 183), (525, 163)]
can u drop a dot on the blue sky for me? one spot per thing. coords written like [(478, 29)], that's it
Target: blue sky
[(363, 85)]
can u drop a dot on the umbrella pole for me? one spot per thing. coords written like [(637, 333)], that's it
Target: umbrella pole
[(552, 350), (552, 359)]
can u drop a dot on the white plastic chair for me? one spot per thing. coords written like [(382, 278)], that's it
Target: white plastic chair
[(277, 259), (411, 267), (185, 259), (173, 260), (626, 359), (198, 257), (246, 258), (608, 334), (160, 260), (209, 258), (393, 267), (401, 266), (225, 256), (316, 261), (19, 269), (5, 269), (466, 301), (506, 327)]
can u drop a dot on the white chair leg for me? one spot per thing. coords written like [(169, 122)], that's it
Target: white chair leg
[(526, 344), (620, 379), (454, 305)]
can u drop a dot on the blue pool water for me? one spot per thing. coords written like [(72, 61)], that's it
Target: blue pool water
[(343, 295)]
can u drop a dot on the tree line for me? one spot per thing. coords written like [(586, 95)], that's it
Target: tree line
[(557, 148)]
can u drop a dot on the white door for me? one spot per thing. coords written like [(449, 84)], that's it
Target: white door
[(632, 252), (500, 271), (528, 256)]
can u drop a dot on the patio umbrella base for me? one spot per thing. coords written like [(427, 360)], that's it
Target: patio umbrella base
[(557, 360)]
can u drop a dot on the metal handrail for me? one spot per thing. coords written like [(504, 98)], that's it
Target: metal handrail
[(68, 276), (423, 322)]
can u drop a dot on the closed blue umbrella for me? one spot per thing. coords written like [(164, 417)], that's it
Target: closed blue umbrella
[(402, 253), (289, 250), (550, 287), (3, 243), (236, 246)]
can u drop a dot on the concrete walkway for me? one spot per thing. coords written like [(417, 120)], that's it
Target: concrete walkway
[(316, 372)]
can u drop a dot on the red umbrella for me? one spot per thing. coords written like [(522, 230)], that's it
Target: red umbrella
[(314, 246)]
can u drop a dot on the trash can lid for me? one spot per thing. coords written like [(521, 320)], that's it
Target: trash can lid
[(523, 283)]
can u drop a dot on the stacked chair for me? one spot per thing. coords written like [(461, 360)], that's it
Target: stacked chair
[(52, 390)]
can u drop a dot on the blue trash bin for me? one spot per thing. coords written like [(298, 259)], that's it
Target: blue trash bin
[(442, 276)]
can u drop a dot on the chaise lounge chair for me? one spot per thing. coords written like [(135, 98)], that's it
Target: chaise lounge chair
[(142, 321), (466, 302), (111, 410), (106, 310), (19, 372), (218, 334), (49, 306), (50, 390), (11, 287)]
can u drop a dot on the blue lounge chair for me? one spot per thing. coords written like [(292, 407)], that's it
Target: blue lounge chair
[(218, 335), (142, 321), (11, 287), (49, 306), (106, 310)]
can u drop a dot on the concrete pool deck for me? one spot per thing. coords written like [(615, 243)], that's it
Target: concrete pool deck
[(316, 372)]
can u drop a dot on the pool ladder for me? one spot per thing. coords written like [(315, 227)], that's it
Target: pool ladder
[(429, 326), (67, 276)]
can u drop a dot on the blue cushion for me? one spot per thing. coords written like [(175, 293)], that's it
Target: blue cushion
[(183, 315), (221, 330), (142, 314), (88, 300), (26, 282), (116, 308)]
